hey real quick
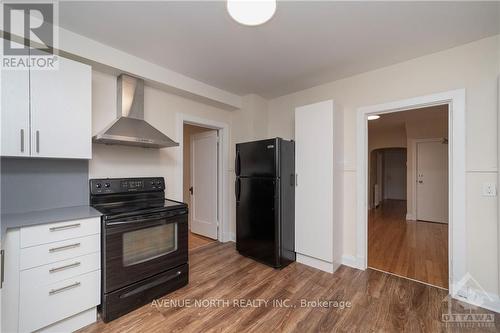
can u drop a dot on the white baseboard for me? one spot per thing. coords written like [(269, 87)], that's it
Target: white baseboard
[(482, 299), (323, 265), (352, 261), (228, 237), (410, 216)]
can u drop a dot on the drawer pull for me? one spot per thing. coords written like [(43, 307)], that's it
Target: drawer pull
[(64, 227), (65, 247), (62, 268), (58, 290)]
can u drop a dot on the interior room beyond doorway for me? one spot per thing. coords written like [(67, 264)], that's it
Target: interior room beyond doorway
[(408, 194)]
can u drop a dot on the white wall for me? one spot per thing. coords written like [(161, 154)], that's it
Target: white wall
[(161, 110), (473, 66), (393, 137)]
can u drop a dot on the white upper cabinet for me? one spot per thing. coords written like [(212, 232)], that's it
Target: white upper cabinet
[(15, 112), (47, 113), (61, 111)]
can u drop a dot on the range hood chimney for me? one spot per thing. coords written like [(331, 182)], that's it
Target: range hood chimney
[(130, 128)]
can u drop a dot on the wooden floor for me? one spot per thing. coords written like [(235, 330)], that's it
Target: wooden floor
[(195, 241), (379, 302), (414, 249)]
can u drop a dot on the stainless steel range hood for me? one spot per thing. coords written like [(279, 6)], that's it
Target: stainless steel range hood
[(130, 128)]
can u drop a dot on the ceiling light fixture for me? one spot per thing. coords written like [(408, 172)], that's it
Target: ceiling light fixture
[(251, 12), (373, 117)]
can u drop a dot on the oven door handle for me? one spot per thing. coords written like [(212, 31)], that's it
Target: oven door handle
[(149, 219), (119, 223)]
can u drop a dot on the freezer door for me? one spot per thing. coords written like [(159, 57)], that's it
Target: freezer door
[(256, 219), (256, 159)]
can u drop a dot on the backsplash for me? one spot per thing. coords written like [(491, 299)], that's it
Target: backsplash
[(36, 184)]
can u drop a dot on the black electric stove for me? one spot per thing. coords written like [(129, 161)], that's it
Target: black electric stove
[(144, 242)]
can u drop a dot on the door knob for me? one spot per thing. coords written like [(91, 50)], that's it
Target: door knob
[(191, 190)]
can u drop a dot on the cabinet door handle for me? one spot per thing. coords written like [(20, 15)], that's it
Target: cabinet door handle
[(62, 268), (22, 140), (2, 267), (58, 290), (64, 227), (65, 247), (37, 141)]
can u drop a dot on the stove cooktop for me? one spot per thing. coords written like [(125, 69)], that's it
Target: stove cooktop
[(141, 207)]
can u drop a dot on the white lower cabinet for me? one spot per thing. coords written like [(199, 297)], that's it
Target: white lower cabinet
[(57, 251), (53, 286), (41, 306), (60, 270)]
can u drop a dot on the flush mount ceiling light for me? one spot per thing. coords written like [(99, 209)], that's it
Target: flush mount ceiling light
[(251, 12), (373, 117)]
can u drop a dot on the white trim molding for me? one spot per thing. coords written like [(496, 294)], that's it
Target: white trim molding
[(457, 176), (229, 237), (410, 216), (352, 261), (322, 265), (223, 234)]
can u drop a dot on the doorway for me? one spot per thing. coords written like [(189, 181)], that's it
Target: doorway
[(408, 211), (200, 183)]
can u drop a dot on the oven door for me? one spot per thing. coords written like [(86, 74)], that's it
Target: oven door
[(139, 247)]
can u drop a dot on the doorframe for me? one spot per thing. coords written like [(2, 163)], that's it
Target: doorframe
[(455, 99), (414, 144), (223, 233)]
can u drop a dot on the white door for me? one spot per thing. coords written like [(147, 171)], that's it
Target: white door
[(204, 184), (432, 181), (61, 111), (15, 112), (314, 198)]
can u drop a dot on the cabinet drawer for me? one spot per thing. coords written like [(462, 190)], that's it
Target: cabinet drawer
[(60, 270), (43, 305), (53, 232), (53, 252)]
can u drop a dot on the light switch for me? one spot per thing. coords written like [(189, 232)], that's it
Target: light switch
[(489, 190)]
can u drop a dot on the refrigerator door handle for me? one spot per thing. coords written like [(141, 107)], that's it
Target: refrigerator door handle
[(237, 163), (237, 188), (296, 179)]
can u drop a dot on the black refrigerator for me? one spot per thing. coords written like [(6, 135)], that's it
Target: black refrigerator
[(265, 201)]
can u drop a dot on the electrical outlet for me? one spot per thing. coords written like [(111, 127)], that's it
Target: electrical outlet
[(489, 190)]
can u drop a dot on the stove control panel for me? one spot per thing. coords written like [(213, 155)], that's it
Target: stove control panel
[(126, 185)]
